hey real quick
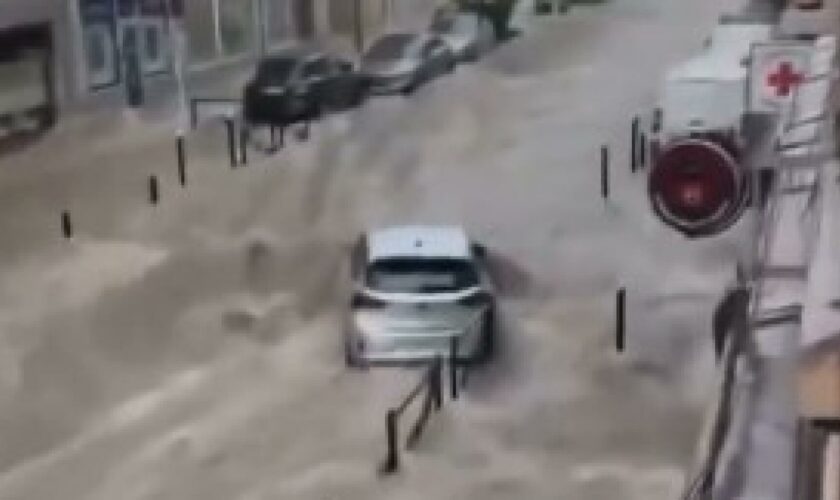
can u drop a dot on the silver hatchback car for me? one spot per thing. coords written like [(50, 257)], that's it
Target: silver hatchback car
[(419, 291)]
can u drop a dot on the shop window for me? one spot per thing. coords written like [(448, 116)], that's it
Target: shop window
[(95, 51), (127, 8), (97, 19), (99, 51), (343, 16), (152, 41), (279, 26), (237, 26), (201, 29)]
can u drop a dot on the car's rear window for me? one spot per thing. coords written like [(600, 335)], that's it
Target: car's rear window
[(390, 47), (276, 69), (421, 275), (458, 24)]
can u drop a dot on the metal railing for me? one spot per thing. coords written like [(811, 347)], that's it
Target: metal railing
[(710, 448), (222, 108), (430, 386)]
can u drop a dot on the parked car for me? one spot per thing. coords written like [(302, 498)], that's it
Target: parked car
[(468, 34), (414, 289), (401, 62), (301, 85)]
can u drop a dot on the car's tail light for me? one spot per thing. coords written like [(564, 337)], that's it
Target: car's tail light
[(476, 299), (364, 301)]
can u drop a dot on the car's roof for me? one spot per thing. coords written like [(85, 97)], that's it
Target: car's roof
[(409, 37), (399, 34), (418, 241), (300, 53)]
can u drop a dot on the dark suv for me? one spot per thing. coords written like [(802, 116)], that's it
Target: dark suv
[(297, 86)]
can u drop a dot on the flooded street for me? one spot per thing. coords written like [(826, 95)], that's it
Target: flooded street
[(193, 350)]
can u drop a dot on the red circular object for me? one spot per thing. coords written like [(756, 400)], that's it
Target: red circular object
[(696, 185)]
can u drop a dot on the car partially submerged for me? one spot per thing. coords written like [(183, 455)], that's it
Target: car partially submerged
[(400, 62), (301, 84), (415, 289), (469, 34)]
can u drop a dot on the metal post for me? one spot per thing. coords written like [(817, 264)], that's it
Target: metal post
[(437, 383), (392, 461), (231, 137), (605, 172), (66, 225), (643, 144), (193, 114), (154, 195), (303, 132), (243, 145), (182, 160), (634, 144), (358, 27), (620, 311), (187, 111), (453, 371)]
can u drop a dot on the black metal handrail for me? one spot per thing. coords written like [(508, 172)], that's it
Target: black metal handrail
[(432, 383), (196, 101), (736, 345)]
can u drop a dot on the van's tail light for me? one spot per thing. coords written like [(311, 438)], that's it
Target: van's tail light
[(364, 301), (476, 299)]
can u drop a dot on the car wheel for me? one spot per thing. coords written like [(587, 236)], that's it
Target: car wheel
[(360, 96), (350, 359), (410, 88)]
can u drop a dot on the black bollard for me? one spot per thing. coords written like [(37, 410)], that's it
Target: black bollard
[(273, 137), (243, 145), (392, 461), (231, 138), (453, 370), (182, 160), (66, 224), (642, 149), (634, 144), (303, 132), (605, 172), (437, 383), (620, 312), (154, 195)]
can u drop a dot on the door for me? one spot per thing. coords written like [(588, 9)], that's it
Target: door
[(100, 48), (315, 77), (154, 46), (132, 59)]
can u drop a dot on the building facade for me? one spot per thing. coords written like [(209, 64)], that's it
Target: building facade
[(76, 53)]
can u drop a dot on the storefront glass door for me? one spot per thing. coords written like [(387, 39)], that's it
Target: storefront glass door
[(105, 24), (100, 42)]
